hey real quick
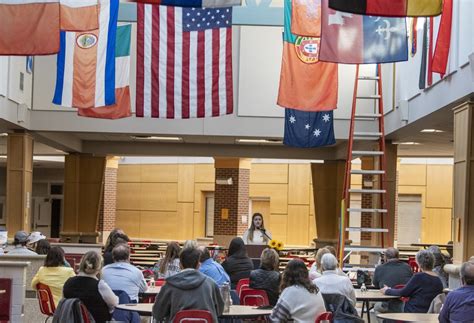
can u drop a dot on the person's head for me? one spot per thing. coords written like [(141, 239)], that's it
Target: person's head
[(21, 238), (269, 259), (34, 238), (257, 221), (321, 252), (190, 244), (91, 263), (121, 253), (237, 247), (172, 253), (391, 254), (332, 250), (438, 256), (328, 262), (55, 257), (467, 273), (42, 247), (296, 273), (189, 258), (425, 260), (205, 254), (116, 236)]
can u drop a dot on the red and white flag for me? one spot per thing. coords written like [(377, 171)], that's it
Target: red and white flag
[(184, 62), (79, 15)]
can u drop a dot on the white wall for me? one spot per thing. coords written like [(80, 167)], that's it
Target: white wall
[(3, 75)]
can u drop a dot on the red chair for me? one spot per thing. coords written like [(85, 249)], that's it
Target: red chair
[(403, 299), (244, 283), (413, 265), (193, 316), (46, 300), (85, 314), (160, 282), (325, 316), (5, 299), (254, 297)]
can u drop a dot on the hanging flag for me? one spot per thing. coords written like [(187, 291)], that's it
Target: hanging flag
[(424, 53), (29, 64), (305, 82), (430, 52), (29, 27), (194, 3), (121, 109), (389, 8), (443, 43), (308, 129), (414, 37), (86, 63), (184, 62), (79, 15), (306, 18), (354, 39)]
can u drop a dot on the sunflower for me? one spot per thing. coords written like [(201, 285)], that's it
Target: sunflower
[(279, 246), (273, 244)]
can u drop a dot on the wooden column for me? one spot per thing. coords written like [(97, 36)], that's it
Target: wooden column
[(328, 180), (83, 187), (463, 186), (19, 182)]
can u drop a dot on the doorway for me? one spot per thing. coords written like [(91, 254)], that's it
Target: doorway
[(209, 197), (409, 219)]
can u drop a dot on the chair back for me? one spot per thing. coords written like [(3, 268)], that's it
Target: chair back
[(193, 316), (325, 316), (85, 314), (122, 315), (5, 299), (254, 297), (413, 265), (244, 283), (45, 299), (160, 282)]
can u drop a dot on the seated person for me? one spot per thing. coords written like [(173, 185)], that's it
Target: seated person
[(212, 268), (392, 273), (440, 261), (300, 299), (267, 277), (42, 247), (33, 240), (116, 237), (315, 270), (121, 275), (188, 289), (169, 265), (53, 273), (96, 295), (422, 288), (238, 265), (257, 234), (20, 241), (332, 283), (459, 305)]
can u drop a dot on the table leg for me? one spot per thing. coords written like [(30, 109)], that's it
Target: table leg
[(367, 306)]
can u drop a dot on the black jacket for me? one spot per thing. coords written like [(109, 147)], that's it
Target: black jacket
[(268, 280), (237, 267), (342, 309)]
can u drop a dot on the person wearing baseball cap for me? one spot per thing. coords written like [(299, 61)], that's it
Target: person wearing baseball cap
[(33, 239), (20, 241)]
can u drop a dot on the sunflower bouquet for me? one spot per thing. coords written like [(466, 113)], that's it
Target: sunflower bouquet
[(275, 244)]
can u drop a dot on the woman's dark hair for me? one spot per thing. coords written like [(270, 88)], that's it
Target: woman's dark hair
[(55, 257), (252, 227), (42, 247), (296, 273), (113, 239), (237, 248), (172, 252)]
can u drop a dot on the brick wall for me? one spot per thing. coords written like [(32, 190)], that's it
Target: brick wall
[(109, 201)]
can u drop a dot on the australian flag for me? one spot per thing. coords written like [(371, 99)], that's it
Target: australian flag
[(308, 129)]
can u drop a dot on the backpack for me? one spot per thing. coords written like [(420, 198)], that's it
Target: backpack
[(363, 277)]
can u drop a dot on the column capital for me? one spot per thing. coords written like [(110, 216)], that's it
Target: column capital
[(226, 162)]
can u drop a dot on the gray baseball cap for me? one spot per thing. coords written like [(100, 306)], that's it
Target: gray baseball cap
[(21, 236)]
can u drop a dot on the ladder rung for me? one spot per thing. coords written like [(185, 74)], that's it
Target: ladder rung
[(367, 190), (364, 248), (369, 97), (367, 115), (367, 172), (367, 210), (367, 153), (367, 134), (357, 229), (369, 78)]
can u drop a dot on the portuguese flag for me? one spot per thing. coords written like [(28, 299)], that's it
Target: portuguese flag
[(390, 8)]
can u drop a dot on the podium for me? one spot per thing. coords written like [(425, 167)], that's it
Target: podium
[(255, 250)]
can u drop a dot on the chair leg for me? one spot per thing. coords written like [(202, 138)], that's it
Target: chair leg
[(47, 319)]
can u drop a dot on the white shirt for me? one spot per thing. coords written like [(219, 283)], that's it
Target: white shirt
[(332, 283), (258, 237)]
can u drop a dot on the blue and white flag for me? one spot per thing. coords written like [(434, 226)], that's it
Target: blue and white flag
[(308, 129)]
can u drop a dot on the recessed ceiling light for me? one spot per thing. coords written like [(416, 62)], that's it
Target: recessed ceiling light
[(157, 138), (406, 143), (3, 134), (259, 141), (431, 130)]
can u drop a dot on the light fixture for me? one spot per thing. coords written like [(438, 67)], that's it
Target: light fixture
[(259, 141), (431, 131), (406, 143), (157, 138), (4, 134), (224, 181)]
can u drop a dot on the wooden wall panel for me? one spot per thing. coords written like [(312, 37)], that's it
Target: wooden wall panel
[(298, 183), (278, 194), (412, 175), (269, 173), (185, 221), (89, 200), (311, 200), (204, 173), (199, 224), (128, 196), (129, 173), (262, 207), (158, 225), (356, 180), (436, 226), (199, 189), (297, 227), (439, 189), (278, 226), (158, 196), (185, 183), (129, 221), (311, 228), (161, 173)]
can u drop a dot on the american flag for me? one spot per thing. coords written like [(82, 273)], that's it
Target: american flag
[(184, 62)]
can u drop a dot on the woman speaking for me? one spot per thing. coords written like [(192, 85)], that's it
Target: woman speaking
[(257, 234)]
